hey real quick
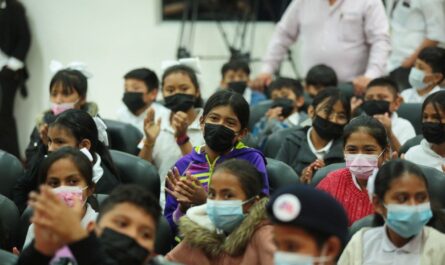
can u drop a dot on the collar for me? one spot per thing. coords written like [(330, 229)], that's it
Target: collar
[(90, 216), (166, 125), (320, 152), (413, 246), (248, 95), (198, 214), (426, 147), (98, 171), (394, 116), (294, 118)]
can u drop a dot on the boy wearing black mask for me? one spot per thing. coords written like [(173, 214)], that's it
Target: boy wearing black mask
[(381, 101), (124, 233), (310, 148), (141, 90), (235, 75)]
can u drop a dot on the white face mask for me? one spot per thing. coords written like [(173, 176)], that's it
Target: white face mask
[(290, 258), (59, 108), (68, 194)]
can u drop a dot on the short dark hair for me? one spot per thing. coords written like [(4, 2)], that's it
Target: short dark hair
[(334, 95), (146, 75), (321, 76), (385, 82), (70, 80), (132, 194), (372, 126), (235, 65), (229, 98), (284, 82), (434, 57), (248, 176)]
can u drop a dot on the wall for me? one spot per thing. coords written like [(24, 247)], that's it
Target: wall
[(111, 37)]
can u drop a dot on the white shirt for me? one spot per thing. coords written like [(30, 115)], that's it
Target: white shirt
[(125, 115), (319, 153), (411, 96), (90, 216), (379, 250), (293, 119), (422, 154), (350, 36), (402, 128), (413, 21)]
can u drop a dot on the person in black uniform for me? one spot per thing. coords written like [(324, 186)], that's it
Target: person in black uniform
[(15, 40)]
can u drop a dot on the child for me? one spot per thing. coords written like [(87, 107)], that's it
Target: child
[(74, 128), (177, 130), (318, 78), (141, 90), (224, 122), (426, 75), (310, 148), (310, 227), (214, 236), (431, 151), (287, 95), (69, 174), (382, 101), (236, 76), (402, 203), (124, 233), (366, 148), (68, 90)]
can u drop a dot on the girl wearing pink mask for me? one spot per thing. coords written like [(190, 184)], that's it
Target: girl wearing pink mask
[(69, 173), (366, 148), (68, 90)]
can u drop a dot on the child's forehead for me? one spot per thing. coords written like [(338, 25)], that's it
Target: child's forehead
[(235, 71), (131, 212), (386, 90)]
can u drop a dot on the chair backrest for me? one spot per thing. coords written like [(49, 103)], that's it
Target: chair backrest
[(410, 143), (10, 170), (258, 111), (25, 221), (413, 113), (133, 169), (274, 141), (250, 140), (123, 136), (323, 172), (9, 222), (280, 174), (436, 184), (7, 258), (359, 224)]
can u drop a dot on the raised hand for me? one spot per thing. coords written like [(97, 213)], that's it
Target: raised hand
[(43, 133), (151, 128), (180, 123)]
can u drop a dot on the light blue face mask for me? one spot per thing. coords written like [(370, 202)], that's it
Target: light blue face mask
[(290, 258), (408, 220), (226, 215), (416, 78)]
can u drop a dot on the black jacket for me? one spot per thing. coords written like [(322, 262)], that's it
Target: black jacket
[(295, 151)]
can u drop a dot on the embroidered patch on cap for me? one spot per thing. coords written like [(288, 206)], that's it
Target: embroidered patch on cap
[(286, 207)]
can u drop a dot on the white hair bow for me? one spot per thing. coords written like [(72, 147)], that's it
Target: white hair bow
[(193, 63), (56, 66), (102, 130)]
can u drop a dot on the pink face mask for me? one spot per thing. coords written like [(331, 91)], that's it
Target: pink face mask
[(362, 166), (68, 194), (59, 108)]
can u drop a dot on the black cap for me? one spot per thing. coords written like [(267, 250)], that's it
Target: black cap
[(305, 207)]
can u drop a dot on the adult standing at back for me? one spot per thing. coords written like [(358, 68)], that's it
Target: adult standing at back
[(348, 35), (14, 45)]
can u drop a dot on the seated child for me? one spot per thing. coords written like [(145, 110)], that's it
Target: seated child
[(319, 77)]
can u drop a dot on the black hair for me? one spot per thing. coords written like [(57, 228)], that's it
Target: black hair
[(284, 82), (229, 98), (188, 72), (333, 95), (82, 163), (370, 125), (437, 100), (146, 75), (393, 170), (434, 57), (385, 82), (321, 76), (82, 126), (134, 195), (235, 65), (248, 176), (70, 80)]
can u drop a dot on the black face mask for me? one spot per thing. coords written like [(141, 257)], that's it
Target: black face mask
[(218, 137), (180, 102), (238, 87), (327, 129), (133, 101), (375, 107), (122, 249), (287, 106), (434, 132)]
